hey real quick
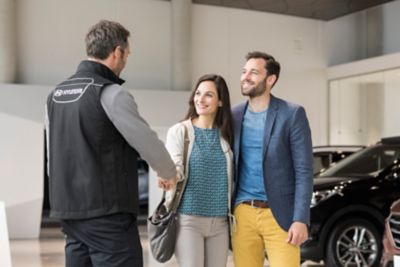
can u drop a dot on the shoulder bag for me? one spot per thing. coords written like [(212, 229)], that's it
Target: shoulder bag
[(163, 223)]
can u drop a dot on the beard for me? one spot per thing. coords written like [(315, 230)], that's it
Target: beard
[(120, 65), (256, 90)]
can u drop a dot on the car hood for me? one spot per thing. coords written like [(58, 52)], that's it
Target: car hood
[(327, 182)]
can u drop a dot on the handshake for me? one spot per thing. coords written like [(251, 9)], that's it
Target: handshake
[(167, 184)]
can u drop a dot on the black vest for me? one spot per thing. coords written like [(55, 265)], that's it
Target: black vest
[(93, 170)]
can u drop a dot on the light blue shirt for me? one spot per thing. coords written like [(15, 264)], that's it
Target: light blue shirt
[(251, 178)]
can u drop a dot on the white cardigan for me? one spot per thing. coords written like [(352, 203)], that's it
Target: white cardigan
[(175, 144)]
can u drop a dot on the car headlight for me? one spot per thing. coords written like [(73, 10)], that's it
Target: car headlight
[(319, 196)]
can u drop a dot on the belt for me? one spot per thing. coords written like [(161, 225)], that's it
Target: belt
[(256, 203)]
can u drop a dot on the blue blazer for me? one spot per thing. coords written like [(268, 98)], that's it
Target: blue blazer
[(287, 162)]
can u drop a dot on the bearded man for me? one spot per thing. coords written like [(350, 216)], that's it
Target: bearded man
[(273, 170)]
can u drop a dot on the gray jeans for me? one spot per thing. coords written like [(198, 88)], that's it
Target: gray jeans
[(202, 241)]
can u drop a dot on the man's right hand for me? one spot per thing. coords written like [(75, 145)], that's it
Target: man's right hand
[(167, 184)]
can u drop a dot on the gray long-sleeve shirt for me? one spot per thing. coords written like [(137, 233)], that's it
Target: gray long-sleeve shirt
[(122, 110)]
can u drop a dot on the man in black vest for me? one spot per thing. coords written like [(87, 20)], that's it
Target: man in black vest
[(95, 134)]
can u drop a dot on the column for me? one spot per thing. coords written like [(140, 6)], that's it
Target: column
[(7, 41), (181, 44)]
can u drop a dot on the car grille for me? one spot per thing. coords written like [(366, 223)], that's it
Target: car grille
[(394, 223)]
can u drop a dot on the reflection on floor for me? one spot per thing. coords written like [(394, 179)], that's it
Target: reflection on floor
[(48, 251)]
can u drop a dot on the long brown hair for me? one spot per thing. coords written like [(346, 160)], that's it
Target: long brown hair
[(223, 119)]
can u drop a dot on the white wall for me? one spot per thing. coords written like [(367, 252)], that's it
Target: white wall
[(50, 35), (7, 41), (51, 45), (223, 36), (346, 38), (5, 254), (357, 110), (161, 108), (391, 109), (21, 157), (391, 22), (364, 98)]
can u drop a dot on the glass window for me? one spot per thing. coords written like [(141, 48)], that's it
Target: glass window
[(368, 162)]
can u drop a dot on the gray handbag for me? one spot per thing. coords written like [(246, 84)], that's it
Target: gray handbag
[(163, 223)]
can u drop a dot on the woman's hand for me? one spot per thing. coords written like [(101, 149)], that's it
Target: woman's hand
[(167, 184)]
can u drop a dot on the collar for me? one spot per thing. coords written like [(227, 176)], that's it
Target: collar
[(273, 104), (99, 69)]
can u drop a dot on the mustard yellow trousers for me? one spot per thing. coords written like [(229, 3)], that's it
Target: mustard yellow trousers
[(258, 232)]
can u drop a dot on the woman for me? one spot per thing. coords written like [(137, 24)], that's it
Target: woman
[(203, 233)]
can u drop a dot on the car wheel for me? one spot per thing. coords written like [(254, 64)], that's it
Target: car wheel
[(354, 242)]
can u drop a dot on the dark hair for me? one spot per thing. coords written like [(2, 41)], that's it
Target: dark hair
[(271, 65), (104, 37), (223, 119)]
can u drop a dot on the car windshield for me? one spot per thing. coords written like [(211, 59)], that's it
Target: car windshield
[(367, 162)]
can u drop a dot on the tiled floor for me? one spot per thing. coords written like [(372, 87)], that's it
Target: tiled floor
[(48, 251)]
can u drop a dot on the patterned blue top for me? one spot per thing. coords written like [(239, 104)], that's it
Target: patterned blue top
[(206, 192)]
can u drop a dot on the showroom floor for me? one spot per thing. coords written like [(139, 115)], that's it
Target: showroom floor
[(48, 251)]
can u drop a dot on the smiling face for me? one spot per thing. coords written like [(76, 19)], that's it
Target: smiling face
[(255, 80), (206, 100)]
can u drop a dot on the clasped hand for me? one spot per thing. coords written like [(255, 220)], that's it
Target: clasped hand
[(167, 184)]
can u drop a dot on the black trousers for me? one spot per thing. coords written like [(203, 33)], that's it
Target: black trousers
[(107, 241)]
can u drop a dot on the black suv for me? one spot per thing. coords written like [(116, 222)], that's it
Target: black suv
[(350, 202)]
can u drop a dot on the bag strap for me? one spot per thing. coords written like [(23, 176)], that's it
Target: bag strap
[(185, 146), (181, 185)]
